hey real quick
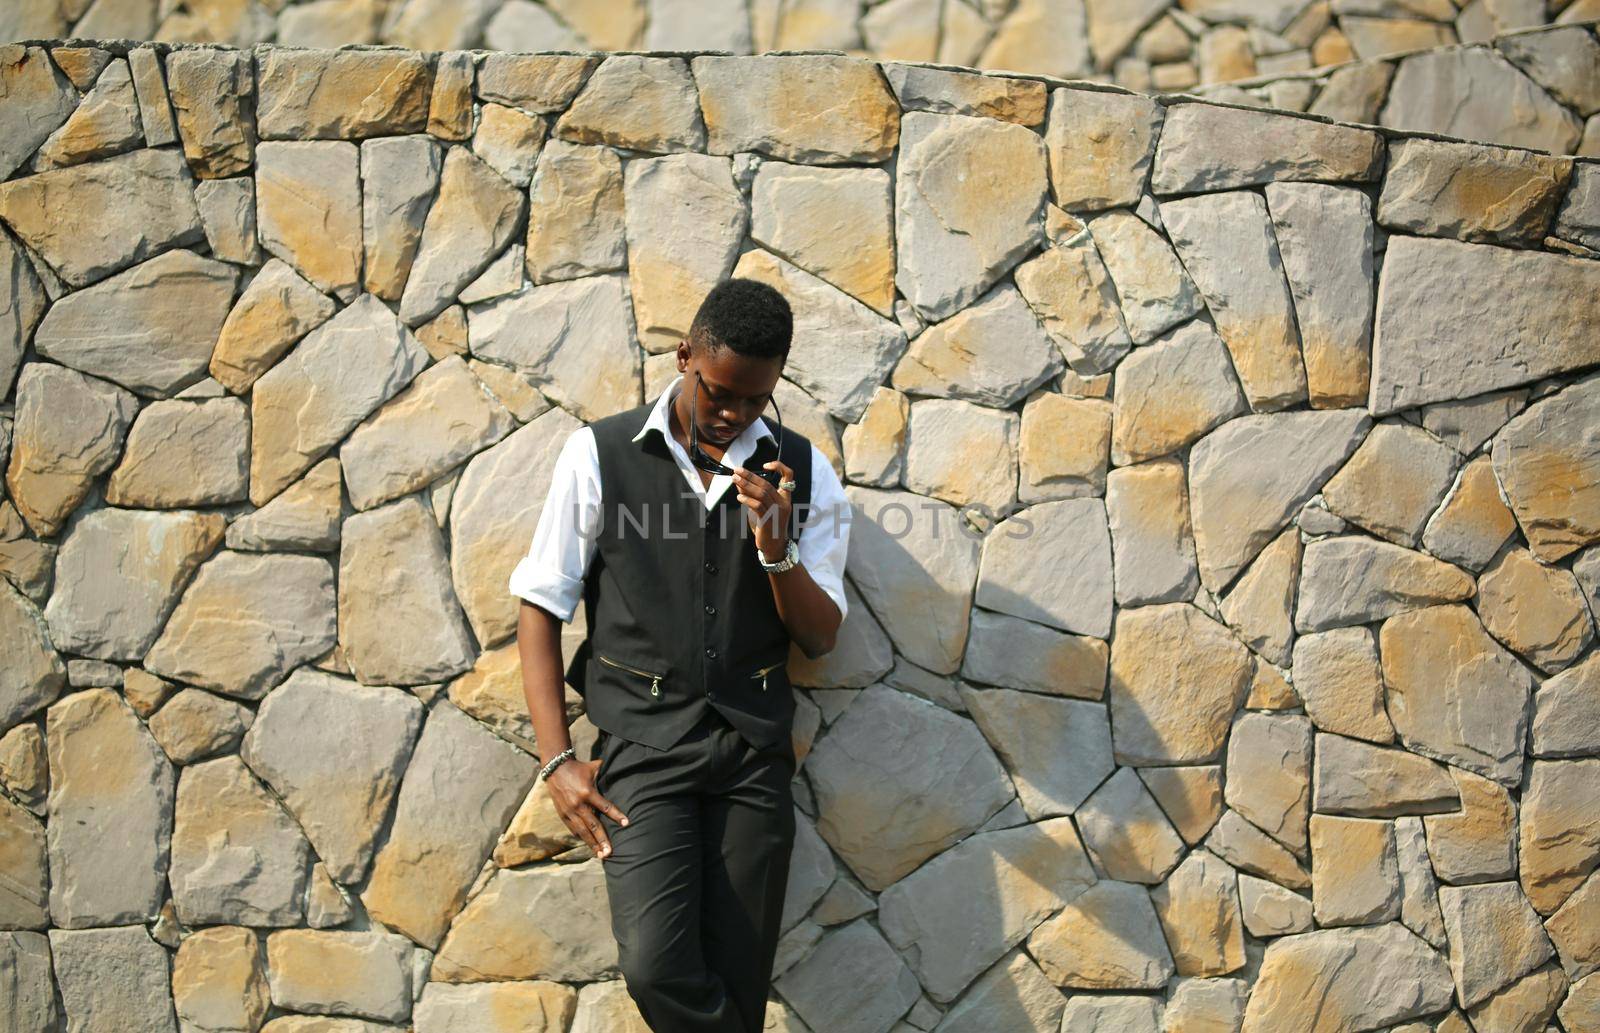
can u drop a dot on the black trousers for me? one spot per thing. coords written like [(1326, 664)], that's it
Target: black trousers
[(697, 877)]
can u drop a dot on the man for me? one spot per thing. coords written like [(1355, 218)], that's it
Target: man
[(695, 583)]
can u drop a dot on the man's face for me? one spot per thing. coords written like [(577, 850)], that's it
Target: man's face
[(734, 390)]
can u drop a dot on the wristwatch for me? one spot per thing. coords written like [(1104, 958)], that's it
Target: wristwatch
[(791, 556)]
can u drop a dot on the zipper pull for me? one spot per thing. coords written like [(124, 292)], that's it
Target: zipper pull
[(655, 687), (763, 681)]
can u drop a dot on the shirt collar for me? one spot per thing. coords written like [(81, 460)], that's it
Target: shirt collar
[(658, 420)]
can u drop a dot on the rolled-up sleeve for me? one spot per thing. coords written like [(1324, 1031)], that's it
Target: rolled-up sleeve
[(551, 574), (825, 540)]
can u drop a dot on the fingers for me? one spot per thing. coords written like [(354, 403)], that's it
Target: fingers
[(609, 808)]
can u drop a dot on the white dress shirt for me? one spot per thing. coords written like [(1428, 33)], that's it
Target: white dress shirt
[(551, 574)]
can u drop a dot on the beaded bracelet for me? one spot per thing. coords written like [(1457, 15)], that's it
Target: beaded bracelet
[(544, 772)]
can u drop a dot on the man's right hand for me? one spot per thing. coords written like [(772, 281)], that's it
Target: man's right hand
[(572, 788)]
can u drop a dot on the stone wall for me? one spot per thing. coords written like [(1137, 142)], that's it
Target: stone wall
[(1142, 44), (1222, 585), (1537, 89)]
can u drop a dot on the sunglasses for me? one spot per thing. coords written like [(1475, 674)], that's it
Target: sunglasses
[(702, 459)]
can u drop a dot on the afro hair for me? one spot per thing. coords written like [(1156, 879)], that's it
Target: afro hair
[(746, 316)]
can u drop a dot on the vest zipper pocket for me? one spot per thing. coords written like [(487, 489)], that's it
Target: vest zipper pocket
[(762, 674), (655, 679)]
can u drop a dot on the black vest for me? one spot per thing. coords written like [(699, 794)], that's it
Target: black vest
[(680, 614)]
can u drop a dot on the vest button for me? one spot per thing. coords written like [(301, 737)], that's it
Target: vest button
[(710, 609), (711, 652), (711, 568)]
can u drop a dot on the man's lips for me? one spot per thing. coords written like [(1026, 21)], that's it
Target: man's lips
[(722, 433)]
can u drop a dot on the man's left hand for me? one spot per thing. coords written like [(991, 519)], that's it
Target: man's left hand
[(768, 506)]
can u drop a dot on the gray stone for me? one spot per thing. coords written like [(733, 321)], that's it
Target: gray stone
[(1227, 244), (1209, 147), (1174, 713), (89, 221), (237, 856), (442, 418), (1107, 938), (1172, 392), (916, 570), (1111, 1013), (1250, 476), (341, 372), (1578, 218), (115, 978), (1338, 678), (495, 509), (110, 601), (399, 620), (956, 915), (1362, 978), (31, 672), (874, 761), (1419, 889), (1071, 293), (1074, 594), (22, 304), (1354, 579), (38, 99), (303, 517), (245, 621), (333, 750), (1155, 292), (1012, 992), (1547, 463), (797, 211), (1021, 654), (150, 328), (1455, 694), (475, 215), (953, 238), (373, 972), (181, 453), (1495, 938), (1126, 833), (228, 213), (461, 788), (399, 176), (342, 94), (308, 210), (574, 339), (28, 994), (150, 87), (1566, 719), (1357, 778), (25, 874), (1563, 61), (1473, 93), (1250, 850), (852, 980), (1100, 146), (1471, 192), (1270, 910), (1269, 775), (213, 95), (109, 784), (1325, 238), (1056, 750)]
